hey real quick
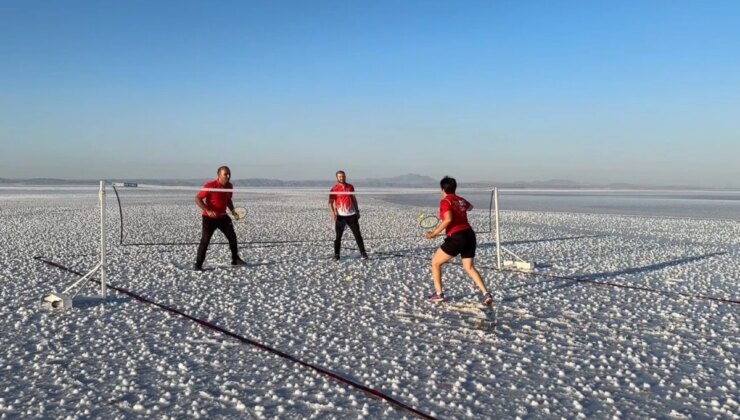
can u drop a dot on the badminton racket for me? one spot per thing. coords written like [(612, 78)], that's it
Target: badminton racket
[(427, 221)]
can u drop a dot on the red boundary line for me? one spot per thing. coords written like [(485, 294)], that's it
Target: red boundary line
[(373, 392)]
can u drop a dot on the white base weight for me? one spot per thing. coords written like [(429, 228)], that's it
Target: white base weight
[(519, 265), (57, 301)]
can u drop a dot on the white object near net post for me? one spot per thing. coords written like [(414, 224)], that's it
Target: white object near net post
[(103, 248), (498, 229)]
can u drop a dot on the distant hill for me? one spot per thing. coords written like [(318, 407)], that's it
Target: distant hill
[(408, 180), (46, 181)]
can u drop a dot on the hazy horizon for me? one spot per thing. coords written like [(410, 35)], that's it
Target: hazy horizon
[(642, 93), (554, 184)]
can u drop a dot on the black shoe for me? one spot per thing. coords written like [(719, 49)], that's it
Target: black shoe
[(198, 267), (238, 262), (487, 299), (364, 255), (336, 257)]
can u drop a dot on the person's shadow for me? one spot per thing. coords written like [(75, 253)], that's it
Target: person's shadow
[(594, 277), (86, 302)]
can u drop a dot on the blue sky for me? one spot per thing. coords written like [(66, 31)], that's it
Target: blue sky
[(643, 92)]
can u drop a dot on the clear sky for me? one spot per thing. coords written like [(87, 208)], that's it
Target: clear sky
[(643, 92)]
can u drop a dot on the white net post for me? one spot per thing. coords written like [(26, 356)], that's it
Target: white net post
[(103, 249), (64, 299), (498, 229), (517, 263)]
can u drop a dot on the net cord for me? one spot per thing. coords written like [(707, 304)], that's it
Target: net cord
[(120, 212)]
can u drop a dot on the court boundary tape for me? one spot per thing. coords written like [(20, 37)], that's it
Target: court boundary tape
[(209, 325)]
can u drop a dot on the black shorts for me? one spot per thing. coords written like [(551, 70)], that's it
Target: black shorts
[(462, 243)]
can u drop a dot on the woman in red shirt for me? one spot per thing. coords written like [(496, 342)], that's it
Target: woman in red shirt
[(460, 240)]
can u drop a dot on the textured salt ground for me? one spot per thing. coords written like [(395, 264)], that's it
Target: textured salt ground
[(558, 348)]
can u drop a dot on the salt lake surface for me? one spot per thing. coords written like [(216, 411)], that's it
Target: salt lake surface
[(563, 342)]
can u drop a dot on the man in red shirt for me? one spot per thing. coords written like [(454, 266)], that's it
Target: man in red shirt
[(345, 212), (214, 205), (460, 240)]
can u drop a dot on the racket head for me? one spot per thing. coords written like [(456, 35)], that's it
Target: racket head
[(429, 222), (240, 213)]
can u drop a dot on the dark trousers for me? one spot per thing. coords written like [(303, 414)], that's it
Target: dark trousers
[(210, 224), (354, 225)]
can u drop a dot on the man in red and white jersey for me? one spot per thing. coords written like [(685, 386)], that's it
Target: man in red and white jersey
[(213, 205), (460, 239), (345, 212)]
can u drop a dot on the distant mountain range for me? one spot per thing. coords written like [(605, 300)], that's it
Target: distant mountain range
[(401, 181)]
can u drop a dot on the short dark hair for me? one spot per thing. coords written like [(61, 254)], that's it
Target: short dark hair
[(340, 172), (221, 168), (448, 184)]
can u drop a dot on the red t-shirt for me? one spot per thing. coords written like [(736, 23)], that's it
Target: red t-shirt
[(217, 201), (343, 202), (459, 208)]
